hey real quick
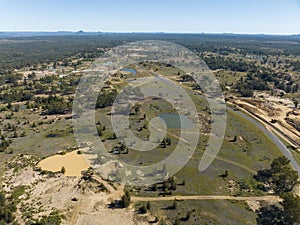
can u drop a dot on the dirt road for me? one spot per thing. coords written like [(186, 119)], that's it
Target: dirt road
[(268, 198), (76, 211), (114, 193), (265, 128)]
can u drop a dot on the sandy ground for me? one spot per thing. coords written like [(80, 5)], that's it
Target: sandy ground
[(39, 73), (80, 201), (73, 163), (100, 215), (273, 108)]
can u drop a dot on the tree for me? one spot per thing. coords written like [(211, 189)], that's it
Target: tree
[(291, 208), (175, 204), (6, 210), (168, 141), (225, 174), (183, 182), (148, 206), (173, 185), (154, 188), (296, 103), (163, 144), (234, 139), (143, 209), (188, 216), (287, 213), (126, 199), (176, 222), (99, 131), (32, 76), (278, 163), (15, 135), (9, 105), (165, 185), (113, 137), (137, 109), (106, 99), (284, 178), (281, 176), (63, 170), (246, 93), (23, 134), (270, 215)]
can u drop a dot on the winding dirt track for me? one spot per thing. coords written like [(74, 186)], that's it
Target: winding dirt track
[(236, 164), (114, 193), (76, 212)]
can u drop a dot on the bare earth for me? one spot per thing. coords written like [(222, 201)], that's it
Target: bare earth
[(272, 109), (80, 201)]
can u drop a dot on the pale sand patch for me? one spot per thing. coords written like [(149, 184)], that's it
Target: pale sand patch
[(74, 163), (111, 217), (296, 190)]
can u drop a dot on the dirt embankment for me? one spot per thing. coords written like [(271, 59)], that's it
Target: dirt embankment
[(276, 113)]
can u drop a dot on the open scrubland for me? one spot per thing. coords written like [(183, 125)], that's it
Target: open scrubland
[(48, 179)]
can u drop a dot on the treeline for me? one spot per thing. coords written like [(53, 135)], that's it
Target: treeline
[(29, 51), (10, 78), (106, 98), (54, 104), (266, 79), (218, 62), (295, 65), (16, 96), (281, 179)]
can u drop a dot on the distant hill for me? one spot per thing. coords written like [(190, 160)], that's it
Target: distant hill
[(44, 33), (81, 32)]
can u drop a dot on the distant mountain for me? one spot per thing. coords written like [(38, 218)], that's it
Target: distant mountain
[(15, 34), (44, 33)]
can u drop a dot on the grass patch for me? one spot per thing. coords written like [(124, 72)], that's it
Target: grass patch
[(204, 212)]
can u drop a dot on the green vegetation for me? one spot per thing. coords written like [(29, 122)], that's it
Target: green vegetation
[(6, 210), (201, 212), (8, 204), (63, 170), (282, 179), (126, 199), (38, 79), (242, 154), (106, 99), (286, 213), (53, 219)]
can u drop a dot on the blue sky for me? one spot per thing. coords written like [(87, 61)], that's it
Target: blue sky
[(210, 16)]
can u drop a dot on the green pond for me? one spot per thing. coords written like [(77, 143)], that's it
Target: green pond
[(174, 120)]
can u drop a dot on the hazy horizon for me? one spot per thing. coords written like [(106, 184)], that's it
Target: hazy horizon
[(215, 16), (141, 32)]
